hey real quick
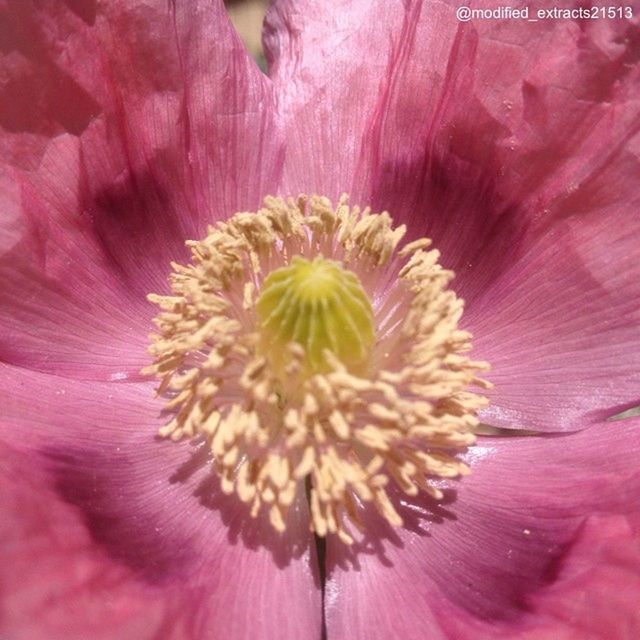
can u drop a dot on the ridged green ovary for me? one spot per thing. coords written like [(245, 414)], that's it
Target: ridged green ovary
[(319, 305)]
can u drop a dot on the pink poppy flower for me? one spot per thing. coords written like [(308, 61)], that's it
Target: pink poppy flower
[(129, 126)]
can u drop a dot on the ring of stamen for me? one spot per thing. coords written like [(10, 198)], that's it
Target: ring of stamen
[(399, 411)]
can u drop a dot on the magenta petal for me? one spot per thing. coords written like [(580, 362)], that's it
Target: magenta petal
[(126, 127), (109, 533), (491, 556)]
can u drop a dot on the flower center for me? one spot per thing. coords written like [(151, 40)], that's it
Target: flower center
[(320, 306), (307, 349)]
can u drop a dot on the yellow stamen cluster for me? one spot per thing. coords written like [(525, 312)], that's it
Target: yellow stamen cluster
[(307, 409)]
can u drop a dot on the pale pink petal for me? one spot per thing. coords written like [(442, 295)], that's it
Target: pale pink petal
[(507, 550), (126, 127), (109, 533), (514, 145)]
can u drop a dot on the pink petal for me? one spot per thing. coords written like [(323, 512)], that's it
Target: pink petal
[(514, 145), (598, 587), (466, 131), (561, 328), (63, 308), (327, 61), (126, 128), (595, 592), (507, 550), (109, 533)]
